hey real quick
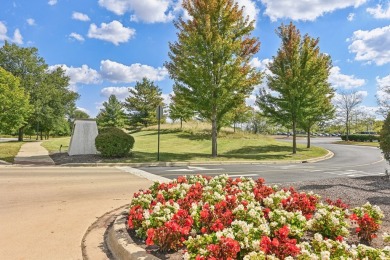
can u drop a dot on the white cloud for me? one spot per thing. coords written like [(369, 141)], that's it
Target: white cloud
[(120, 92), (52, 2), (117, 72), (351, 17), (3, 32), (371, 46), (149, 11), (339, 80), (379, 12), (82, 74), (305, 10), (166, 100), (250, 8), (76, 36), (31, 21), (113, 32), (383, 88), (17, 38), (80, 17), (260, 64)]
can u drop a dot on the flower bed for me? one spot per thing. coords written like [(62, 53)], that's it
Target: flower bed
[(224, 218)]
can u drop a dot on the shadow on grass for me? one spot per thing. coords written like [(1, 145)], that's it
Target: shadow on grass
[(162, 132), (245, 153)]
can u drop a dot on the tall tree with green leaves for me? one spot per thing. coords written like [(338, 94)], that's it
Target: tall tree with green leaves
[(25, 64), (112, 114), (179, 108), (142, 103), (385, 138), (14, 103), (298, 78), (52, 99), (210, 60)]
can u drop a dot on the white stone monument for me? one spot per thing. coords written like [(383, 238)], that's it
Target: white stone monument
[(83, 137)]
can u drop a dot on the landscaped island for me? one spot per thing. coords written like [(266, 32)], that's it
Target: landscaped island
[(225, 218)]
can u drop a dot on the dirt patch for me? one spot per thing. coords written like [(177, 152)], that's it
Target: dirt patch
[(64, 158)]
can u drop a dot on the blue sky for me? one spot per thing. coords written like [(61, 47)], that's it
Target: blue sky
[(105, 46)]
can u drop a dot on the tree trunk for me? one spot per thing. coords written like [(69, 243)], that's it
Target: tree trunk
[(20, 134), (308, 138), (234, 127), (347, 127), (181, 123), (214, 136), (294, 137)]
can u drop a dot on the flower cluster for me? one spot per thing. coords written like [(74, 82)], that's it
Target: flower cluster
[(368, 218), (330, 221), (225, 218)]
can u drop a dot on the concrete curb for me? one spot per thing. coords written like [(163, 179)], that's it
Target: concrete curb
[(4, 163), (172, 164), (121, 245)]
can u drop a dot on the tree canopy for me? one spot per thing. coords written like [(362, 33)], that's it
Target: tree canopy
[(299, 82), (14, 102), (112, 114), (47, 90), (210, 61), (142, 103)]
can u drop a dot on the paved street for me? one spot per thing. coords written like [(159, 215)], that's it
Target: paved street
[(45, 211), (348, 161)]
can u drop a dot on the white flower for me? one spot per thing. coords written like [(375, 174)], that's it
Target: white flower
[(325, 255), (318, 237)]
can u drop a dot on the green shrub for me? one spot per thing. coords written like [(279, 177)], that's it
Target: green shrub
[(113, 142), (361, 138), (385, 138)]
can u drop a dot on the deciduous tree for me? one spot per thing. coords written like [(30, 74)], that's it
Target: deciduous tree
[(14, 103), (347, 103), (299, 82), (209, 62)]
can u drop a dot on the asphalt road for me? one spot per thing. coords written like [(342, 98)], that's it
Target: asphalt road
[(45, 211), (348, 161)]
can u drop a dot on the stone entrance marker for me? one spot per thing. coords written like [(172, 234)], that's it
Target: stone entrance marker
[(83, 137)]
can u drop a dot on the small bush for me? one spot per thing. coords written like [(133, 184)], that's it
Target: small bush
[(361, 138), (113, 142), (385, 137)]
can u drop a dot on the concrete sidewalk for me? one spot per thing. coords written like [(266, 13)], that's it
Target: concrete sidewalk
[(32, 153)]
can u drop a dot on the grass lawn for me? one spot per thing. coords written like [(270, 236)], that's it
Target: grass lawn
[(53, 144), (9, 150), (373, 144), (195, 145)]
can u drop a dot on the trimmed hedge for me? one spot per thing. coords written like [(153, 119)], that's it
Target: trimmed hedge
[(113, 142), (361, 138)]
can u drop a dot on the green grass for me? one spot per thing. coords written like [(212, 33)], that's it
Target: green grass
[(372, 144), (9, 150), (54, 144), (193, 143)]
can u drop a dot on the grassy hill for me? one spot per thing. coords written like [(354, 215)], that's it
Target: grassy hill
[(193, 143)]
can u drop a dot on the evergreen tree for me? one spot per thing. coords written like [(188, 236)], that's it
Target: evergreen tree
[(299, 76), (179, 108), (143, 102), (210, 60), (112, 114)]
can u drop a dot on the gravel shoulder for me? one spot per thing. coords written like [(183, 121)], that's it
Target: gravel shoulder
[(355, 192)]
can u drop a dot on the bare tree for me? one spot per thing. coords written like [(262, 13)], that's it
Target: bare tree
[(383, 99), (347, 103)]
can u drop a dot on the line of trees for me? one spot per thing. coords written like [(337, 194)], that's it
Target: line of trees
[(35, 99)]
